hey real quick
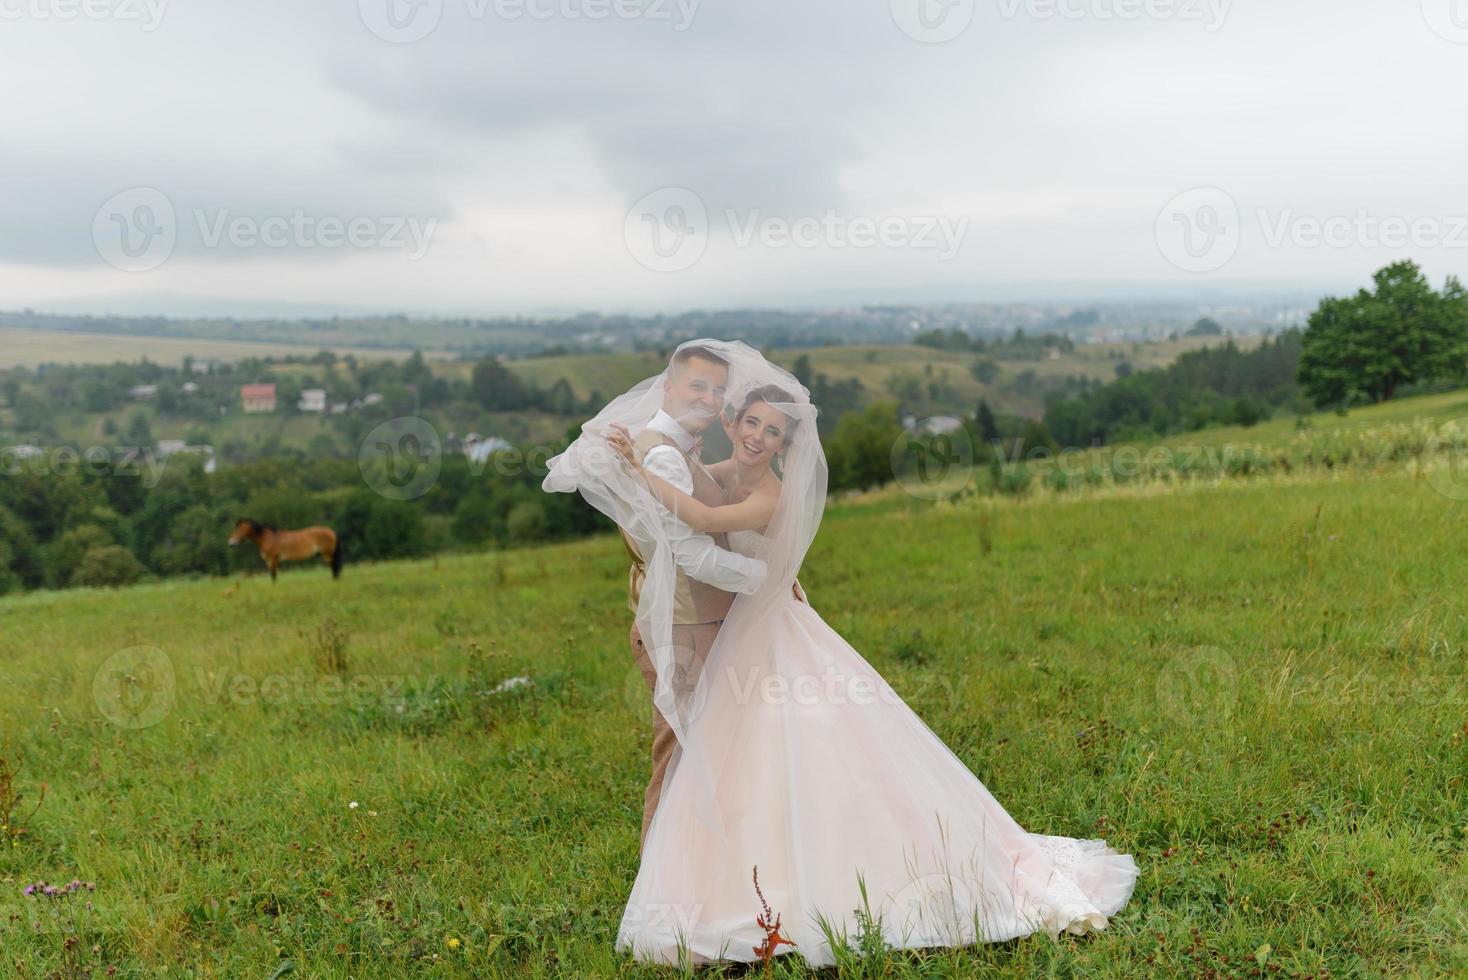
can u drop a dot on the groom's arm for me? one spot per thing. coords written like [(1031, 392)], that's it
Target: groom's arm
[(696, 553)]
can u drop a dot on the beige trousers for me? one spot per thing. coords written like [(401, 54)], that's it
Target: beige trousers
[(691, 645)]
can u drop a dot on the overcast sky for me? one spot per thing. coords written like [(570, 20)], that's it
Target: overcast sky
[(530, 156)]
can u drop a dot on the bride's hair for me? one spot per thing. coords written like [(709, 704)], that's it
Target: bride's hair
[(771, 395)]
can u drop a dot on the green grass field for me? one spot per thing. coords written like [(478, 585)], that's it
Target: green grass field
[(1256, 687)]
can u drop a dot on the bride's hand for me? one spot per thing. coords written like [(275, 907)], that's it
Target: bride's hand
[(621, 440)]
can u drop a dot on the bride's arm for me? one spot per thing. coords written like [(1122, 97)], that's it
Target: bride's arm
[(750, 514)]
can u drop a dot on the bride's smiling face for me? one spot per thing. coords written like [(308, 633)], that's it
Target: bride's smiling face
[(759, 433)]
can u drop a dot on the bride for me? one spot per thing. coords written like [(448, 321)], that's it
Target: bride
[(802, 786)]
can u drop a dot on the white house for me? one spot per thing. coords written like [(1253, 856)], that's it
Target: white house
[(479, 450), (312, 400)]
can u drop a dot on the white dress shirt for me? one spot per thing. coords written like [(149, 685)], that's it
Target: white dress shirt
[(695, 552)]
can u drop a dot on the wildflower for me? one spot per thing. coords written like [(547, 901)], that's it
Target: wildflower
[(453, 942), (352, 805)]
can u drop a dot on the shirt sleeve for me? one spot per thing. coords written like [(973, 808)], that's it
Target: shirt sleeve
[(695, 552)]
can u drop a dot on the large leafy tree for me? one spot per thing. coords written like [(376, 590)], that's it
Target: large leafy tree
[(1399, 332)]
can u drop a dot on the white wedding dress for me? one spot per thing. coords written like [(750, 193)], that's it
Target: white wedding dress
[(822, 774)]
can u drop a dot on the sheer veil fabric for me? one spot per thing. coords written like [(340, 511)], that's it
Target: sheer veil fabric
[(796, 757)]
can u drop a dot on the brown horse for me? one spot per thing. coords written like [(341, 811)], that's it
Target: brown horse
[(278, 546)]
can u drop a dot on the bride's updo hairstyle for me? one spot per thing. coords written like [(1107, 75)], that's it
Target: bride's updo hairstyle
[(772, 395)]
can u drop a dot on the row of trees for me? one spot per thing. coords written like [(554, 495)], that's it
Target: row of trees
[(66, 525), (1213, 386)]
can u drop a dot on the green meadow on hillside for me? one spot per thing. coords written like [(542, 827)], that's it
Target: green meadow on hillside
[(1255, 686), (1436, 409)]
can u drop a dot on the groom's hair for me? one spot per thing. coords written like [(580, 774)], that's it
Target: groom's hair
[(685, 354)]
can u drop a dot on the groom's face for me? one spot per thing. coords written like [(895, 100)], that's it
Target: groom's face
[(695, 393)]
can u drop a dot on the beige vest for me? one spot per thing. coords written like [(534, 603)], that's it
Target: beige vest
[(693, 601)]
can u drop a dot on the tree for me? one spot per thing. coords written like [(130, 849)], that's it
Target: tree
[(1205, 327), (802, 370), (109, 566), (1399, 332), (64, 555), (988, 428), (497, 388), (20, 560), (859, 453), (139, 432)]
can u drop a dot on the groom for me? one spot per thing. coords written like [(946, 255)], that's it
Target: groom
[(707, 574)]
